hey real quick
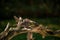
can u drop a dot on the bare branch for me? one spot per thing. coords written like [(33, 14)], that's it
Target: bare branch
[(5, 32), (7, 27), (10, 32)]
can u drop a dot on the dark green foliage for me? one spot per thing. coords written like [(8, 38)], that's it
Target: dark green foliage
[(36, 37), (20, 37)]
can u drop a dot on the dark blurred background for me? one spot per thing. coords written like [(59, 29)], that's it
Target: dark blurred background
[(29, 8), (46, 12)]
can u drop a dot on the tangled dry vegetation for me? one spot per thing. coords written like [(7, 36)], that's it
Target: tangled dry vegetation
[(26, 26)]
